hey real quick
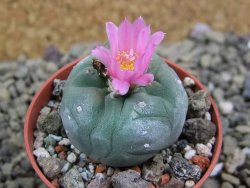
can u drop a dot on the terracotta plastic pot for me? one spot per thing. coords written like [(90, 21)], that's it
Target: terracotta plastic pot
[(43, 95)]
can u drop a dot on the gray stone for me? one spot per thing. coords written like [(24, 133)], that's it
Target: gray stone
[(183, 169), (50, 123), (226, 107), (58, 87), (234, 161), (215, 36), (211, 183), (25, 182), (153, 170), (11, 184), (198, 104), (128, 179), (71, 158), (20, 86), (246, 92), (198, 130), (100, 181), (248, 181), (41, 152), (49, 141), (206, 60), (230, 178), (227, 185), (174, 183), (4, 93), (50, 166), (229, 145), (22, 72), (243, 129), (6, 168), (72, 179)]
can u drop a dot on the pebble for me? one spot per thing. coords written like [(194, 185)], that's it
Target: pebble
[(189, 183), (217, 169), (50, 123), (66, 167), (71, 158), (49, 141), (128, 179), (246, 92), (41, 152), (211, 183), (226, 107), (189, 154), (100, 181), (234, 161), (174, 183), (230, 178), (243, 129), (202, 161), (72, 179), (153, 170), (227, 185), (51, 166), (203, 150), (183, 169), (188, 82), (198, 130), (64, 142), (110, 171)]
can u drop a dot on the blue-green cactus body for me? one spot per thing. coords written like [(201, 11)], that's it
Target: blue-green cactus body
[(123, 131)]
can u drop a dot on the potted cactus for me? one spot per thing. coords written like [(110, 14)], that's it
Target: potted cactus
[(123, 104)]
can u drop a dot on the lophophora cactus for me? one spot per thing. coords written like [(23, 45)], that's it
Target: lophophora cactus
[(123, 120)]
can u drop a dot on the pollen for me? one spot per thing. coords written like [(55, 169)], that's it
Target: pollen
[(126, 59)]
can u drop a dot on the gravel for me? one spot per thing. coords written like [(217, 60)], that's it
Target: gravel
[(220, 61)]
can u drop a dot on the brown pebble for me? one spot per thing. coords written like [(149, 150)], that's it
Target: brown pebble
[(55, 183), (59, 149), (100, 168), (136, 168), (62, 155), (202, 161), (150, 185), (164, 179)]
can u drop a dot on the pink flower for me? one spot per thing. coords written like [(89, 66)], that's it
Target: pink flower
[(129, 56)]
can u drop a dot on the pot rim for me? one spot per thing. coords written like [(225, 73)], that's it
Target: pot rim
[(28, 129)]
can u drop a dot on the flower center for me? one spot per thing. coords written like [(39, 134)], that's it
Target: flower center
[(126, 59)]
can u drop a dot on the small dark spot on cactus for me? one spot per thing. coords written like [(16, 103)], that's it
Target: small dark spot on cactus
[(101, 69)]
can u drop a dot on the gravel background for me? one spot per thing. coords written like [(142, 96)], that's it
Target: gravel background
[(220, 61)]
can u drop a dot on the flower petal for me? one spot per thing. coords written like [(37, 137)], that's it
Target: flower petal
[(112, 32), (102, 54), (154, 41), (125, 36), (144, 80), (121, 87), (142, 40)]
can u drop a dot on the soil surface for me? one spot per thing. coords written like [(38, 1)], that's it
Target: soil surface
[(28, 27)]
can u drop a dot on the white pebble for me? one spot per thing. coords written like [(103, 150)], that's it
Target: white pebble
[(83, 156), (226, 107), (189, 184), (212, 140), (187, 148), (208, 116), (66, 167), (64, 142), (246, 151), (85, 176), (189, 154), (209, 145), (217, 169), (71, 158), (146, 145), (56, 138), (45, 111), (188, 82), (91, 168), (41, 152), (204, 150)]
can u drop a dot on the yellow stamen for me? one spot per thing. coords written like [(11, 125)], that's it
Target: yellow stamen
[(126, 59)]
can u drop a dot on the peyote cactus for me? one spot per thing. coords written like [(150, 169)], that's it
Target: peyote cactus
[(132, 123)]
